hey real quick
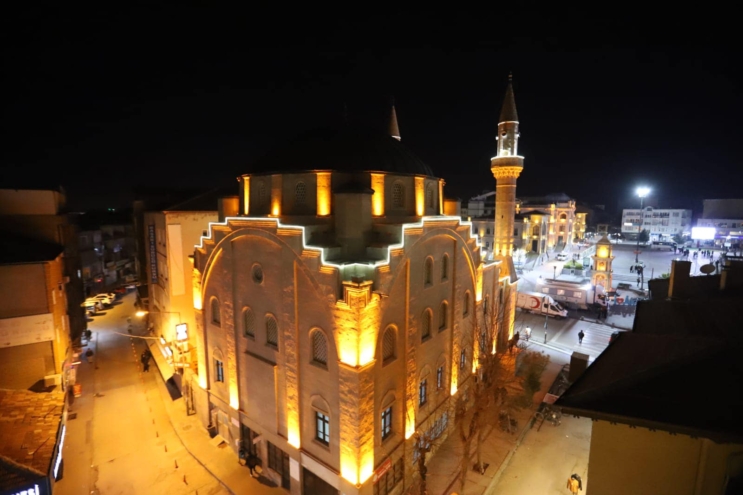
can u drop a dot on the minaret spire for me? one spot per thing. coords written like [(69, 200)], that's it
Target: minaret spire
[(508, 111), (394, 130), (506, 166)]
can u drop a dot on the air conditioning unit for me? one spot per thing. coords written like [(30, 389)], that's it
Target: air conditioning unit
[(52, 380)]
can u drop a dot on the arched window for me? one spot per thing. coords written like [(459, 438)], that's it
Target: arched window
[(428, 275), (535, 230), (443, 315), (389, 344), (563, 216), (216, 314), (300, 194), (445, 267), (272, 331), (429, 197), (248, 323), (319, 348), (426, 324), (466, 304), (398, 195)]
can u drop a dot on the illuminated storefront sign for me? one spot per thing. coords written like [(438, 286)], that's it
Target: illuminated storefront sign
[(181, 331)]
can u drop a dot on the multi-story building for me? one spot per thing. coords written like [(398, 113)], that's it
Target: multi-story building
[(541, 223), (726, 217), (90, 243), (172, 235), (40, 215), (660, 223), (34, 326), (335, 313)]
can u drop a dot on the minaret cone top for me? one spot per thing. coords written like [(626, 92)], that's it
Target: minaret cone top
[(508, 111), (394, 129)]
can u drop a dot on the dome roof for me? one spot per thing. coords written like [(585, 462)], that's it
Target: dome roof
[(343, 150)]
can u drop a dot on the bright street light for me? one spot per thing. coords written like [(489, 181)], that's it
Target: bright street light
[(641, 191)]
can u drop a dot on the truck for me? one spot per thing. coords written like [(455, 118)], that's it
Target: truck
[(573, 294), (540, 304)]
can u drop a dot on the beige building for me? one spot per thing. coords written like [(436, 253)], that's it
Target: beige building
[(35, 348), (171, 237), (335, 313)]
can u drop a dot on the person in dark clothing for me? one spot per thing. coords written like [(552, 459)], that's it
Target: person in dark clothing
[(146, 355), (580, 336), (252, 462)]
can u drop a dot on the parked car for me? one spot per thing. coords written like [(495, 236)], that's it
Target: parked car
[(92, 305), (105, 299), (562, 257)]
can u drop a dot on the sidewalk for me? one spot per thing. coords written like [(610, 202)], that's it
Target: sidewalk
[(220, 461), (497, 448)]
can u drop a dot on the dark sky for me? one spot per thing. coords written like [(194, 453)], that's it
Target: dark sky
[(101, 101)]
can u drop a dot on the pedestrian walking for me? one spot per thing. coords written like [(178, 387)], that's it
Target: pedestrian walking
[(89, 356), (576, 477), (581, 334), (527, 331), (145, 359), (573, 485)]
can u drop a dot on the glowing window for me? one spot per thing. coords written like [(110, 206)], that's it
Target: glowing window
[(319, 348), (248, 323), (398, 195), (322, 431), (272, 331)]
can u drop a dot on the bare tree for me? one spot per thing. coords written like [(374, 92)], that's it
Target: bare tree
[(495, 394)]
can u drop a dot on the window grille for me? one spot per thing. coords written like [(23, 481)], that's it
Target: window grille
[(219, 370), (248, 323), (398, 196), (426, 329), (388, 345), (272, 331), (387, 422), (300, 194), (423, 392), (319, 347), (443, 315)]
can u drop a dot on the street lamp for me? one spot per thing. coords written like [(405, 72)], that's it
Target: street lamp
[(641, 192), (554, 272)]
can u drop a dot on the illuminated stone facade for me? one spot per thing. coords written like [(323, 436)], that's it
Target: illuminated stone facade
[(337, 312)]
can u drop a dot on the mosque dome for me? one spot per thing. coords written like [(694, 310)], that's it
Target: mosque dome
[(348, 149)]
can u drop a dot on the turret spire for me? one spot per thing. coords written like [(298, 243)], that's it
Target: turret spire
[(394, 130), (508, 110)]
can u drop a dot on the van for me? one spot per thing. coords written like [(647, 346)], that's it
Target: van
[(540, 304)]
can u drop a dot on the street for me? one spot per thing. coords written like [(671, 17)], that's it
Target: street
[(121, 440)]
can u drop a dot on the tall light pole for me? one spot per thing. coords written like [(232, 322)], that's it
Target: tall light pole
[(641, 192)]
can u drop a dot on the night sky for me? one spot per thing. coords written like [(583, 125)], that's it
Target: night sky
[(103, 101)]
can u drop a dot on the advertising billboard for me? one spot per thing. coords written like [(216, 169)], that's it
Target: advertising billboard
[(702, 233)]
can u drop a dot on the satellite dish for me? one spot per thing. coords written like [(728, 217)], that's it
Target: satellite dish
[(707, 269)]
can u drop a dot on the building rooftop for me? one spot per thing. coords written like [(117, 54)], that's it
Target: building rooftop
[(347, 149), (664, 382), (206, 201), (29, 423), (22, 250)]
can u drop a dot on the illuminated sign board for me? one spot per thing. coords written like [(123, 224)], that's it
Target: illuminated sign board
[(181, 331), (29, 491), (703, 233), (58, 460)]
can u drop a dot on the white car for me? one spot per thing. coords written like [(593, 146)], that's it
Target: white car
[(562, 257), (103, 298), (91, 305)]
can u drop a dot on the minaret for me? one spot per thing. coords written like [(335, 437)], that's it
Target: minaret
[(394, 130), (506, 167)]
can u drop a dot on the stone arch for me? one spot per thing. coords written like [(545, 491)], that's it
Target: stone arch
[(319, 347)]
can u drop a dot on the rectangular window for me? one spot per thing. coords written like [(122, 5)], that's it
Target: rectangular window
[(322, 433), (577, 294), (389, 480), (440, 378), (219, 370), (386, 422), (278, 460), (423, 392)]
